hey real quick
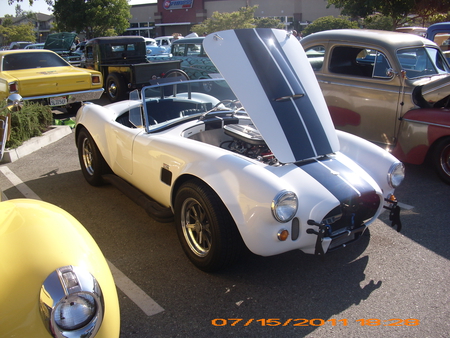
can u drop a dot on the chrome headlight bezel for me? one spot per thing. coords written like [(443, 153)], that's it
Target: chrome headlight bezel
[(284, 206), (396, 174), (74, 291)]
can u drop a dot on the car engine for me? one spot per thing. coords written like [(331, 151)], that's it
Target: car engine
[(248, 141)]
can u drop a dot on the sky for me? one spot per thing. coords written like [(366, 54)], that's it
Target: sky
[(40, 6)]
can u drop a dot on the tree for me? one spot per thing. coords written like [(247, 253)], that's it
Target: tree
[(244, 18), (329, 22), (268, 23), (378, 21), (93, 17), (10, 32), (401, 11)]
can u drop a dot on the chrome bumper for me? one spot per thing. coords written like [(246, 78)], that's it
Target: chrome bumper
[(72, 97)]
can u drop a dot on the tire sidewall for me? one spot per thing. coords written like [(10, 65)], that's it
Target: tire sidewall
[(212, 260)]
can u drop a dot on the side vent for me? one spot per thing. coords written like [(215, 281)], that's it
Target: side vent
[(166, 176)]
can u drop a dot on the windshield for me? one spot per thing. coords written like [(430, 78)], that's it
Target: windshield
[(19, 61), (422, 61), (176, 101)]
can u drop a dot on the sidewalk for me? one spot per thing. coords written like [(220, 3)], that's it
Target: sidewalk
[(36, 143)]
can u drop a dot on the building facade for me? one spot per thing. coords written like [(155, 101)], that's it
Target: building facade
[(167, 17)]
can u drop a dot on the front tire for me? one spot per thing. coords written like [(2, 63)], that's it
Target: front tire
[(205, 228), (441, 159), (91, 160)]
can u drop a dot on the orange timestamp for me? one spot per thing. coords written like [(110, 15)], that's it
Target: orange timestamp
[(313, 322)]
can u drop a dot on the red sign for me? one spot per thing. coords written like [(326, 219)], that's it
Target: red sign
[(177, 4)]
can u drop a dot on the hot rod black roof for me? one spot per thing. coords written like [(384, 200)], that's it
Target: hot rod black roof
[(116, 39)]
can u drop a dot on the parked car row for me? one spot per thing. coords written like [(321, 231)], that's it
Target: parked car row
[(194, 60)]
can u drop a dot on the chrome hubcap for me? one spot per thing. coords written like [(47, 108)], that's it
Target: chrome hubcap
[(112, 89), (87, 156), (196, 227)]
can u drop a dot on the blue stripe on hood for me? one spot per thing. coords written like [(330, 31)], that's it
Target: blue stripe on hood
[(297, 117)]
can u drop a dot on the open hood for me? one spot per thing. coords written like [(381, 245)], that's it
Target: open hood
[(269, 73), (60, 42), (435, 91)]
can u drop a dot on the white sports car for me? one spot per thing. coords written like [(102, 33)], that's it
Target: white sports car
[(255, 160)]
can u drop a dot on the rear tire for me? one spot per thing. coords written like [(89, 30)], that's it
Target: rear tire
[(115, 87), (441, 159), (92, 163), (205, 228), (177, 73)]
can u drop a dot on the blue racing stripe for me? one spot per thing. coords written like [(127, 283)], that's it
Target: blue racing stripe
[(342, 182), (305, 133)]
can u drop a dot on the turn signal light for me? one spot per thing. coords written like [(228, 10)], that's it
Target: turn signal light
[(283, 235), (13, 87), (392, 198), (95, 79)]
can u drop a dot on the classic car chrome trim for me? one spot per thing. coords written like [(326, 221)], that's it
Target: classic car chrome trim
[(65, 282), (85, 95), (426, 123), (358, 86)]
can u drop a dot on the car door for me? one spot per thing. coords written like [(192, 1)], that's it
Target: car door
[(360, 88)]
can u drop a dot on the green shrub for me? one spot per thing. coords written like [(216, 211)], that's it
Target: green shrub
[(30, 121), (329, 22)]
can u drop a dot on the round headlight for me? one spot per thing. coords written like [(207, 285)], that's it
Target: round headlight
[(396, 174), (75, 311), (284, 206), (71, 303)]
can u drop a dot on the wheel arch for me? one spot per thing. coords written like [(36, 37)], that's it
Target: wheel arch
[(241, 194), (435, 143)]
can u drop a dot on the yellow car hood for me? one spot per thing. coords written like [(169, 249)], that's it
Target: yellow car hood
[(52, 80)]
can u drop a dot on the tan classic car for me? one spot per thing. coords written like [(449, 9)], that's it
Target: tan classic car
[(390, 88), (42, 75)]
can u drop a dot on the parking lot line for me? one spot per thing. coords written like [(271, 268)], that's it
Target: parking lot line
[(17, 182), (126, 285), (139, 297)]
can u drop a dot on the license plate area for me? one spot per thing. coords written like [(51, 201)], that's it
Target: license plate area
[(58, 101)]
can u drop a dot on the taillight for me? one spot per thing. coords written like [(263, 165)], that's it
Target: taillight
[(13, 87), (96, 79)]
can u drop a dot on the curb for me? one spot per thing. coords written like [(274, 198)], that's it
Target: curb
[(36, 143)]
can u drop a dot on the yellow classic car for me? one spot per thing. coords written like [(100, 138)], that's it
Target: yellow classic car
[(43, 76), (55, 281)]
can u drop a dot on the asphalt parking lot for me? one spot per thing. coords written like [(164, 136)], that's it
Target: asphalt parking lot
[(389, 284)]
